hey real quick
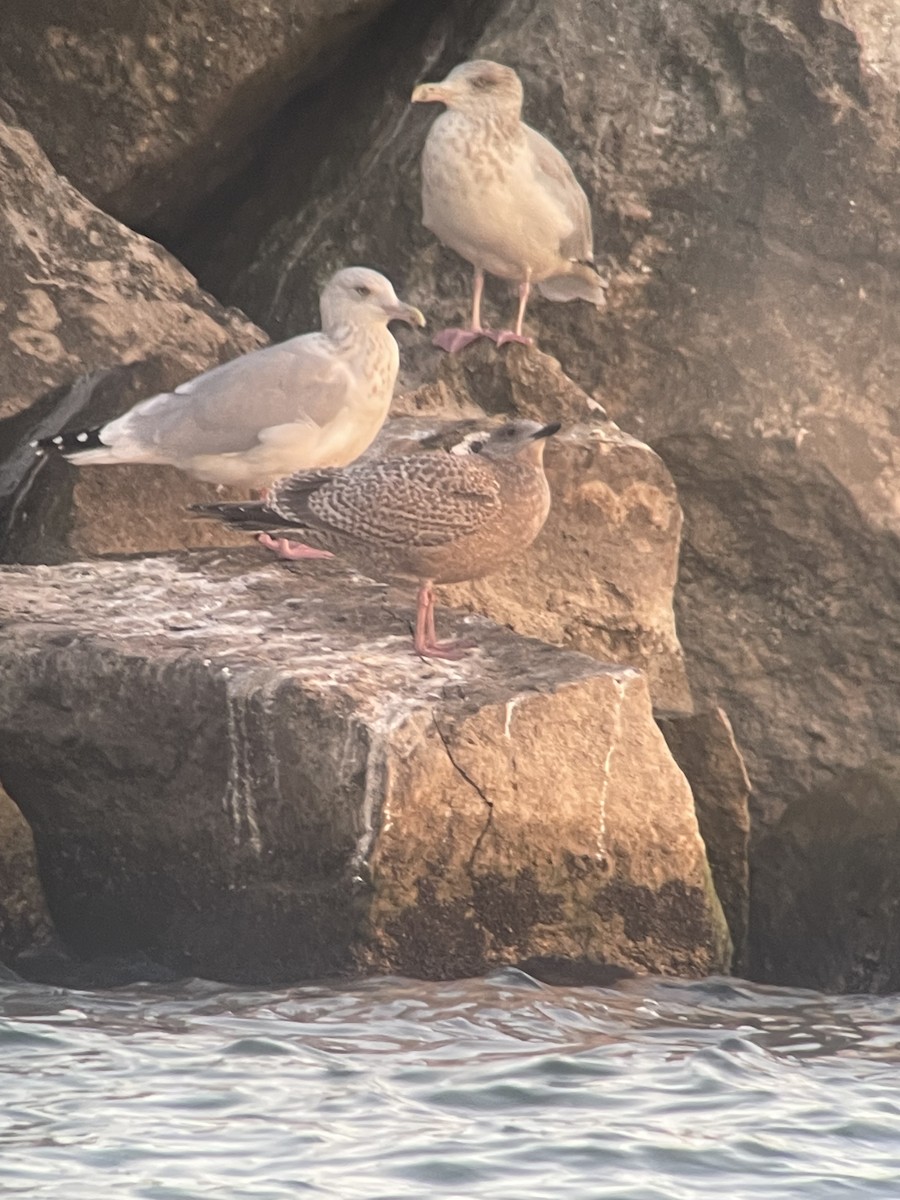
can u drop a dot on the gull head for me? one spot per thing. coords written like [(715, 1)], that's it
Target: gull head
[(476, 88), (358, 296), (524, 440)]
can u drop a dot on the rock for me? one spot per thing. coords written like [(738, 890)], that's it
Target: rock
[(703, 745), (241, 770), (63, 512), (147, 108), (741, 164), (80, 293), (827, 879), (24, 919)]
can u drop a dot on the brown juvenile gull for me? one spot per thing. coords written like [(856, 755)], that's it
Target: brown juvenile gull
[(502, 196), (434, 518), (313, 401)]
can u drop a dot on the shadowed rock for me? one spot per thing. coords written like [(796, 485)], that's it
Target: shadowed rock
[(826, 883), (80, 291), (146, 108), (24, 920), (239, 770), (703, 745)]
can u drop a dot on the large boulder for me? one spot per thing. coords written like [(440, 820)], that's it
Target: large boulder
[(147, 107), (242, 770), (81, 293), (741, 163)]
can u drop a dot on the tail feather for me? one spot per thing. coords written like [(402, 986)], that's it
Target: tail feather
[(581, 283), (249, 514), (73, 443)]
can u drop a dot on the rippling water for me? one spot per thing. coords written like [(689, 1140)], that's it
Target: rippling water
[(499, 1087)]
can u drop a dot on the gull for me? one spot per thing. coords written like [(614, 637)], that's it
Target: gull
[(433, 518), (503, 197), (315, 400)]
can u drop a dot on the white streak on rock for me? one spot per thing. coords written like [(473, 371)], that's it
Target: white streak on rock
[(394, 714), (511, 706), (239, 801), (620, 685)]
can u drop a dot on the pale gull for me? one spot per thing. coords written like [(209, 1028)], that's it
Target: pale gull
[(315, 400), (434, 518), (503, 197)]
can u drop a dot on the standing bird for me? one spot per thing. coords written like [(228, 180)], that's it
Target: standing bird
[(315, 400), (434, 518), (502, 196)]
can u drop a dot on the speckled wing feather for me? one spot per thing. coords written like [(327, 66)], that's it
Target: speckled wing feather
[(416, 500), (555, 175), (224, 410)]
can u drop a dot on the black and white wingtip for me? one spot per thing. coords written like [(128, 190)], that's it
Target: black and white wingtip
[(68, 443)]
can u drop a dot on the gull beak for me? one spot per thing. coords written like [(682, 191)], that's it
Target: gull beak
[(429, 93), (405, 312), (547, 431)]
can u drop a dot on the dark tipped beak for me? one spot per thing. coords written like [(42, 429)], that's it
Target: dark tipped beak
[(548, 430)]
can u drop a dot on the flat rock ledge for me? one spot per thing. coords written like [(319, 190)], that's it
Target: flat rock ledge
[(240, 768)]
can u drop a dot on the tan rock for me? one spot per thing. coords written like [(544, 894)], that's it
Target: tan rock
[(80, 291), (24, 919), (240, 768)]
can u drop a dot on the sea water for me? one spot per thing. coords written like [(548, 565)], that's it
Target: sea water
[(501, 1087)]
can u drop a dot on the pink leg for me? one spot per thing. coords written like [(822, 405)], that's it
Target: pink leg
[(453, 340), (516, 335), (425, 641), (291, 550)]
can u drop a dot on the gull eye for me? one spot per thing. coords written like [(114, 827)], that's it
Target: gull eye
[(362, 290), (482, 82), (475, 447)]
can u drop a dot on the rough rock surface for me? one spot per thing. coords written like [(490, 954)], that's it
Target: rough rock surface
[(80, 293), (160, 99), (241, 769), (742, 164), (24, 919), (703, 745), (827, 879)]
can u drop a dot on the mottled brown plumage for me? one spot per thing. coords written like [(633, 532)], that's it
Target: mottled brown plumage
[(502, 196), (434, 518)]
